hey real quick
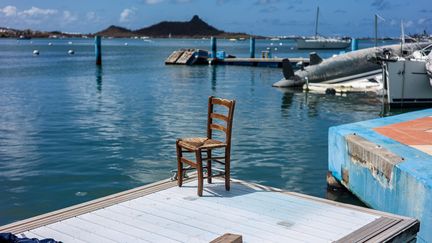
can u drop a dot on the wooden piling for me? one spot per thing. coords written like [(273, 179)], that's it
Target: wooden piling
[(98, 50), (252, 47)]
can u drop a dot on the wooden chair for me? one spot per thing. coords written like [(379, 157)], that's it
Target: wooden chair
[(199, 145)]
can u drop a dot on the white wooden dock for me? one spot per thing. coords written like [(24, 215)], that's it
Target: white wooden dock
[(163, 212)]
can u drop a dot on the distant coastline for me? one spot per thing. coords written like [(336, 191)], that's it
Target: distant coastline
[(195, 28)]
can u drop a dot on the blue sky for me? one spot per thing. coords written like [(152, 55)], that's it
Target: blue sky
[(261, 17)]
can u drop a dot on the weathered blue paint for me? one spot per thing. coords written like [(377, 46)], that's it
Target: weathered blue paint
[(252, 47), (98, 50), (409, 192)]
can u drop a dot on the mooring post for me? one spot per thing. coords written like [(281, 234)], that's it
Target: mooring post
[(252, 47), (98, 50), (213, 47), (354, 44)]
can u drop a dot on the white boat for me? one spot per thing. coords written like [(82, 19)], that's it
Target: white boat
[(408, 82), (320, 42)]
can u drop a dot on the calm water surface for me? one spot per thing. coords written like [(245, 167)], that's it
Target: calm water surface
[(71, 132)]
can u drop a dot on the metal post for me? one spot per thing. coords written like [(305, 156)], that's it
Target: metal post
[(213, 47), (98, 50), (252, 47), (376, 30), (354, 44)]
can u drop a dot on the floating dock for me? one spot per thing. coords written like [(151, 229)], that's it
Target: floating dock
[(261, 62), (163, 212), (201, 57), (387, 163)]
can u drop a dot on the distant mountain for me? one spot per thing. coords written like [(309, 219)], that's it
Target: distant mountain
[(116, 31), (195, 28)]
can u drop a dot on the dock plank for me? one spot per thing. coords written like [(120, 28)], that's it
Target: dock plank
[(220, 223), (251, 219), (230, 217), (102, 231), (77, 233), (45, 232), (192, 233), (145, 224), (163, 212), (136, 232), (315, 212)]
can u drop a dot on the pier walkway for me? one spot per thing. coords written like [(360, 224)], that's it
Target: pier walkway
[(387, 163), (163, 212)]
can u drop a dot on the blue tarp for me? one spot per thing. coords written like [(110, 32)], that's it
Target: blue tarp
[(11, 238)]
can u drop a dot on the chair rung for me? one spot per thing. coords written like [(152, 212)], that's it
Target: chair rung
[(213, 158), (215, 175), (189, 162), (220, 162)]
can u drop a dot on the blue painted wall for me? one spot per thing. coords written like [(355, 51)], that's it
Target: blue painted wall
[(408, 193)]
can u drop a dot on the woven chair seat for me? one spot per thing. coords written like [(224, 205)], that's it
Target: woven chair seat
[(200, 143)]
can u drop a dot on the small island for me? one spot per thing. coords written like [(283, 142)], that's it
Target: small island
[(194, 28)]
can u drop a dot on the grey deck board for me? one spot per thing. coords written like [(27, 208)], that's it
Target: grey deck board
[(203, 220), (164, 212), (46, 232), (146, 223), (78, 234), (220, 214), (169, 221)]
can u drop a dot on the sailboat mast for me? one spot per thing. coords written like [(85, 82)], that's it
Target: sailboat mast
[(376, 30), (316, 23)]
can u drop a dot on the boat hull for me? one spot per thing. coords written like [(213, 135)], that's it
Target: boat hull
[(322, 44), (408, 83)]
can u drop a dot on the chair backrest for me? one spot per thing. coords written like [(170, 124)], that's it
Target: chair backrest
[(227, 118)]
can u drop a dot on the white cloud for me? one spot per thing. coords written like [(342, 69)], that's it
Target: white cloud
[(9, 11), (153, 1), (35, 12), (408, 23), (423, 21), (93, 17), (127, 14), (68, 17)]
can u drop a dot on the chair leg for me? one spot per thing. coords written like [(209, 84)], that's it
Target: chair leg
[(179, 165), (200, 172), (227, 169), (209, 164)]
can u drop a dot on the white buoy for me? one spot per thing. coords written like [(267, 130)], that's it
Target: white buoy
[(126, 44), (275, 49), (70, 42), (271, 43), (280, 43), (50, 44), (35, 52), (71, 52)]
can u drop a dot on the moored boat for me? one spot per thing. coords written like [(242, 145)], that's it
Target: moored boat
[(320, 42)]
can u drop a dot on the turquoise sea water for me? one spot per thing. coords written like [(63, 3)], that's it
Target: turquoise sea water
[(71, 132)]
